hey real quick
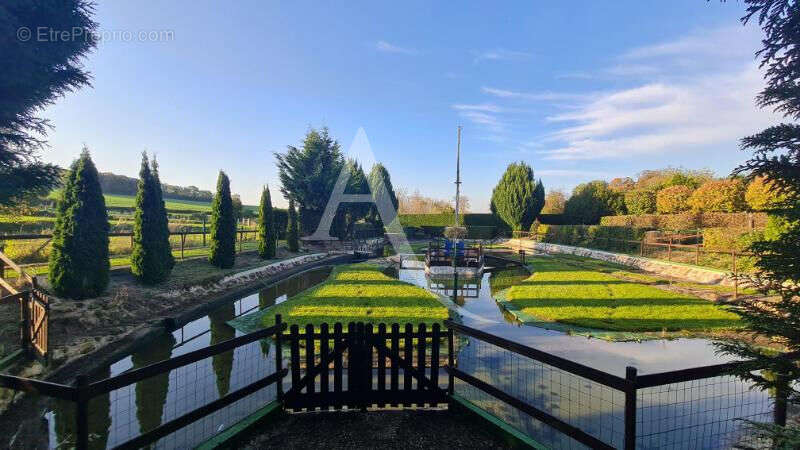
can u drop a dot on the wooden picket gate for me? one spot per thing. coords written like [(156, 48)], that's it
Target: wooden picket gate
[(363, 367)]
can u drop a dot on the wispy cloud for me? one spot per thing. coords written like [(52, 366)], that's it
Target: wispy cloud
[(383, 46), (484, 107), (531, 96), (486, 120), (501, 54)]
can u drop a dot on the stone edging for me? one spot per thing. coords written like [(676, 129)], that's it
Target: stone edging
[(688, 272)]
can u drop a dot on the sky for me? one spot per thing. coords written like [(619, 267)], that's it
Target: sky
[(579, 90)]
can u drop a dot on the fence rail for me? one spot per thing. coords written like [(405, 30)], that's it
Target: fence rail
[(555, 401)]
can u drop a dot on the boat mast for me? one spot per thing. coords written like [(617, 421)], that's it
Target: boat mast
[(458, 174)]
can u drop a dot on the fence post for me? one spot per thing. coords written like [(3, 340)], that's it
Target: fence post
[(204, 231), (630, 408), (183, 241), (735, 277), (669, 249), (641, 248), (781, 395), (697, 253), (24, 318), (279, 356), (451, 358), (82, 414)]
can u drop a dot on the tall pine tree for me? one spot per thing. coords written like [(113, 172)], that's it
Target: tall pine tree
[(776, 158), (79, 262), (380, 185), (291, 229), (223, 225), (267, 234), (518, 197), (151, 259)]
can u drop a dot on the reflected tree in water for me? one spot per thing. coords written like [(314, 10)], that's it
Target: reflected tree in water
[(64, 413), (221, 331), (151, 393)]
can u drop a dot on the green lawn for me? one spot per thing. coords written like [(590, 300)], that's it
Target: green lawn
[(360, 293), (564, 293)]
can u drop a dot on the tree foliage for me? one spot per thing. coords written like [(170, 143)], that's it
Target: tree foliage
[(518, 198), (151, 258), (776, 158), (593, 200), (719, 196), (380, 185), (35, 73), (554, 202), (223, 226), (640, 201), (292, 234), (763, 195), (673, 199), (267, 234), (79, 262), (347, 214), (308, 175)]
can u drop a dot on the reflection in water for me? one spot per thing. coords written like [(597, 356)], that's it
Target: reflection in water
[(116, 417), (221, 331), (64, 415), (151, 393)]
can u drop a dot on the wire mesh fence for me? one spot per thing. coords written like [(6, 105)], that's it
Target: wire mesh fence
[(707, 413)]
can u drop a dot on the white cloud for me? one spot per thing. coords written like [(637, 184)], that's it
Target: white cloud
[(663, 117), (501, 54), (531, 96), (484, 119), (383, 46), (484, 107)]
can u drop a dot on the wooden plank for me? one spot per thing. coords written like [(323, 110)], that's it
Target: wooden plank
[(323, 346), (435, 342), (337, 363), (381, 363), (351, 362), (8, 287), (421, 344), (409, 349), (368, 358), (310, 361), (294, 354), (394, 375)]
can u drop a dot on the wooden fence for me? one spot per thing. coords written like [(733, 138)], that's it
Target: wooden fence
[(365, 367)]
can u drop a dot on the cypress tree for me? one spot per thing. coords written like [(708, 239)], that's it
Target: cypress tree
[(223, 226), (291, 228), (518, 197), (151, 259), (267, 234), (79, 260)]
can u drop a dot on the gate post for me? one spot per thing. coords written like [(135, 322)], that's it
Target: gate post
[(279, 356), (450, 361), (630, 408), (82, 414)]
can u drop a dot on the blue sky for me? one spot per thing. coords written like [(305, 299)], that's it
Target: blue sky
[(579, 90)]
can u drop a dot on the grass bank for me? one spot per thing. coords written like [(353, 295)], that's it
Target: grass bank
[(360, 293), (574, 295)]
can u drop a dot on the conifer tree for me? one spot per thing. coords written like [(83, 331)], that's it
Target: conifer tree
[(151, 259), (291, 229), (267, 234), (223, 225), (518, 197), (79, 260)]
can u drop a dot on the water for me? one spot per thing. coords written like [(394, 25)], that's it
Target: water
[(697, 414), (130, 411)]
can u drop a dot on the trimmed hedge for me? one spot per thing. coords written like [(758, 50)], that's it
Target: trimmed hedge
[(584, 235), (688, 220), (726, 239)]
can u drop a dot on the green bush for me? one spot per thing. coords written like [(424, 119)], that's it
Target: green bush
[(79, 262), (292, 232), (727, 239), (719, 196), (267, 234), (223, 226), (673, 199), (591, 201), (518, 198), (762, 196), (639, 202), (588, 235), (151, 256)]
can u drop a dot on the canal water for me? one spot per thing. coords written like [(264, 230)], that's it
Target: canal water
[(128, 412)]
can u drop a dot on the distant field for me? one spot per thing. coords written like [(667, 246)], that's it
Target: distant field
[(129, 201)]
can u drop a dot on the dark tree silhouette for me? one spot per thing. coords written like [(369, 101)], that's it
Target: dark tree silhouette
[(35, 73), (151, 259), (223, 226)]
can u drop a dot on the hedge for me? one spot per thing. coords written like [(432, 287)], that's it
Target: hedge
[(688, 220), (726, 239), (584, 235)]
